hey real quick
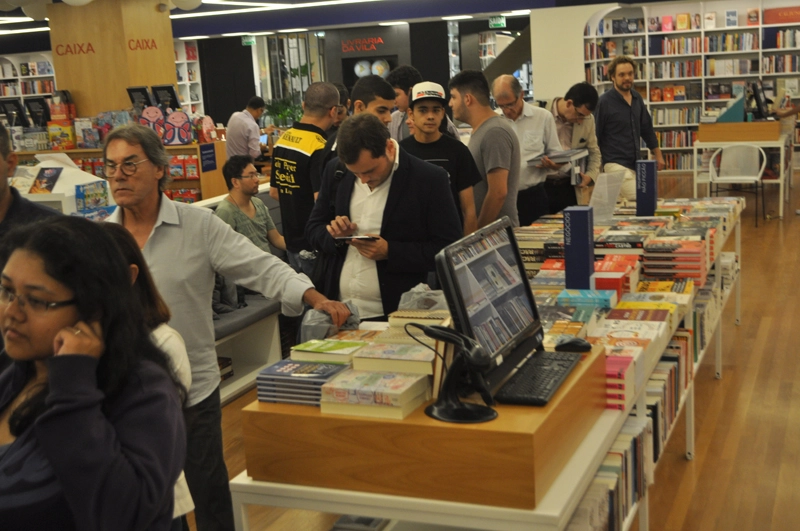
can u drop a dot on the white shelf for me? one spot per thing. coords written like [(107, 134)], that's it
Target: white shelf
[(781, 74), (732, 28), (689, 148), (671, 55), (779, 50), (681, 102), (674, 79), (674, 126), (676, 32), (732, 76), (737, 52)]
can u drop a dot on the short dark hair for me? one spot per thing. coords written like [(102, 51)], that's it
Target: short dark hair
[(360, 132), (234, 167), (136, 134), (471, 82), (320, 98), (582, 94), (344, 94), (256, 102), (5, 142), (156, 311), (369, 88), (404, 77), (619, 60)]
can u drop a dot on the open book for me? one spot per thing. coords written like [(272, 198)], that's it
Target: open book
[(575, 160)]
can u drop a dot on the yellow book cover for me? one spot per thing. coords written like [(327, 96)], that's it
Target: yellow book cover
[(683, 21)]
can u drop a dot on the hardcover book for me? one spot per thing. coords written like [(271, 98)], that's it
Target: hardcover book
[(646, 187), (578, 247), (752, 17), (710, 20), (682, 22), (731, 18), (666, 23)]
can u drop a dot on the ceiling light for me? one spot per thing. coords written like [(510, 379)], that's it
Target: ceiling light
[(517, 13), (398, 23), (196, 37), (28, 30), (236, 34), (295, 30), (265, 7), (458, 17), (263, 33)]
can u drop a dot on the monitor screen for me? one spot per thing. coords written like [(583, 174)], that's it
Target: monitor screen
[(490, 300)]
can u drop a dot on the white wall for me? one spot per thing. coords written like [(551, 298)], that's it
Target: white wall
[(557, 47)]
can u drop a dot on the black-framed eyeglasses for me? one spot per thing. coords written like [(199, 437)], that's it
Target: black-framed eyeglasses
[(128, 168), (253, 175), (35, 304), (507, 106)]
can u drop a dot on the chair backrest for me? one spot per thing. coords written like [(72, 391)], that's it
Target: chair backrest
[(737, 161)]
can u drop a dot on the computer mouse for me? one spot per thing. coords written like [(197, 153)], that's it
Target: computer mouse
[(573, 344)]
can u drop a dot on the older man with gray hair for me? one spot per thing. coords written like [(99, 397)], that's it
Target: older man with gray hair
[(536, 130)]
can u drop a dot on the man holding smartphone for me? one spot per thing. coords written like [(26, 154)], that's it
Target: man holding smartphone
[(402, 204)]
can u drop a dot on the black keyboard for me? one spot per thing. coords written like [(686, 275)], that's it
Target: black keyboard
[(538, 379)]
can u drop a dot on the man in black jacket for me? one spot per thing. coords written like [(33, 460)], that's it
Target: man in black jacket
[(402, 204)]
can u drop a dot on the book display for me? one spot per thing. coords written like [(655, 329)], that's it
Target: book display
[(27, 74), (695, 58), (187, 68)]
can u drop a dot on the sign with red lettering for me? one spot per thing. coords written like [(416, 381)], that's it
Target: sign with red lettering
[(369, 44), (142, 44), (75, 48)]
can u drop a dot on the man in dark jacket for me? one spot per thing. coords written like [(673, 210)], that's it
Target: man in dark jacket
[(401, 204)]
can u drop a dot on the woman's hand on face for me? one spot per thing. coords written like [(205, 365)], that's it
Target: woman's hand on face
[(82, 338)]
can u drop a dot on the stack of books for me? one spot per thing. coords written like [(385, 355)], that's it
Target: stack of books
[(374, 394), (326, 350), (295, 382), (672, 257), (397, 334), (225, 367), (414, 359)]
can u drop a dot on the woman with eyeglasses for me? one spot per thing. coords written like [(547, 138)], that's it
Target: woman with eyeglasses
[(91, 430)]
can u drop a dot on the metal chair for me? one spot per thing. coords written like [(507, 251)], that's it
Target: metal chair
[(739, 164)]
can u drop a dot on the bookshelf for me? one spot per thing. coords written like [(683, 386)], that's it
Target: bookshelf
[(187, 69), (713, 62), (490, 45), (27, 75)]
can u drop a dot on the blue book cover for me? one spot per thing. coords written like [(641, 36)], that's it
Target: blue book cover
[(646, 187), (579, 247), (301, 371)]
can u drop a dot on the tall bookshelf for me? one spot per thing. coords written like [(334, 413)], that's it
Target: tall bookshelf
[(703, 60), (187, 69), (27, 74)]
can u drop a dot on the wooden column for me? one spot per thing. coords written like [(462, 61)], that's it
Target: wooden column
[(104, 47)]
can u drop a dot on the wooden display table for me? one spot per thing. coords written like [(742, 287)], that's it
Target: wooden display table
[(509, 462)]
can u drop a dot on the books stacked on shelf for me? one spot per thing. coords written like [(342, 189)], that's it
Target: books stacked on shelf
[(588, 297), (621, 26), (671, 257), (593, 509), (676, 69), (675, 46), (776, 38), (620, 382), (707, 303), (647, 311), (415, 359), (677, 116), (349, 522), (295, 382), (356, 335), (683, 301), (678, 161), (680, 350), (730, 67), (531, 241), (779, 64), (225, 367), (708, 229), (677, 139), (731, 42), (326, 350), (631, 347), (685, 286), (374, 394), (663, 402), (627, 240), (729, 269)]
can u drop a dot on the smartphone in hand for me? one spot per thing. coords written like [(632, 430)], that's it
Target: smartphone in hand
[(362, 238)]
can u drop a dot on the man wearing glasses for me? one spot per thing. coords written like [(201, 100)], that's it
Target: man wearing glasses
[(536, 131), (575, 126), (242, 210), (296, 168), (184, 246)]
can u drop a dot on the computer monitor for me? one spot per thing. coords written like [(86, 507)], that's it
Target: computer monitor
[(484, 281), (761, 110), (14, 111), (165, 97)]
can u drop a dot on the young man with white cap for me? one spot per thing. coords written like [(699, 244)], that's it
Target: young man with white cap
[(426, 109)]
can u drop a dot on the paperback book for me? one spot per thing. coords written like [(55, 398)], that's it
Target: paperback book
[(326, 350), (415, 359)]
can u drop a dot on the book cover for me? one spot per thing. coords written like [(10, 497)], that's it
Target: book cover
[(682, 21), (666, 23), (731, 18), (356, 335), (374, 388), (655, 94), (668, 93), (679, 93), (697, 21), (426, 317), (288, 370), (579, 247), (414, 359), (611, 49), (646, 187), (710, 20), (398, 335), (45, 180), (654, 24), (329, 346), (752, 16), (376, 411)]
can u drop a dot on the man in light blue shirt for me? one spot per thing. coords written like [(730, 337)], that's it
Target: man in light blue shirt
[(242, 134), (184, 245)]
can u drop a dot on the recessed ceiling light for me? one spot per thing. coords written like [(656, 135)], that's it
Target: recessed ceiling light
[(398, 23), (196, 37), (28, 30), (458, 17), (517, 13), (295, 30), (263, 33), (236, 34)]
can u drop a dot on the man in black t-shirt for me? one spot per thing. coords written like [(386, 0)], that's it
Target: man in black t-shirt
[(426, 109)]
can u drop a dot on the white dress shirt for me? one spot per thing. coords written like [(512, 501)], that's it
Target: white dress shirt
[(537, 134), (359, 279), (243, 137)]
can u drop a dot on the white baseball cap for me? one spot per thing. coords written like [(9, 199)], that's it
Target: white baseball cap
[(427, 90)]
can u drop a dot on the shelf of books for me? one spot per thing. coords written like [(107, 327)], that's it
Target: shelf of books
[(187, 69), (699, 54), (28, 74)]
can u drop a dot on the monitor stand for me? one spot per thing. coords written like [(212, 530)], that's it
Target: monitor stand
[(449, 407)]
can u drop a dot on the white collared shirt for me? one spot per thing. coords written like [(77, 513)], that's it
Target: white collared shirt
[(537, 134), (359, 279)]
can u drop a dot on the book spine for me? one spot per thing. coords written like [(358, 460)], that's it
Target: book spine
[(646, 187), (579, 247)]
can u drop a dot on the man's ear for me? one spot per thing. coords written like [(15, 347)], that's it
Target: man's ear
[(12, 162), (359, 107), (134, 273)]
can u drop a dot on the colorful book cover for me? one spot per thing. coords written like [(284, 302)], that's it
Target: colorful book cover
[(752, 17), (45, 181), (666, 23), (289, 370), (682, 22), (374, 388), (731, 18)]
